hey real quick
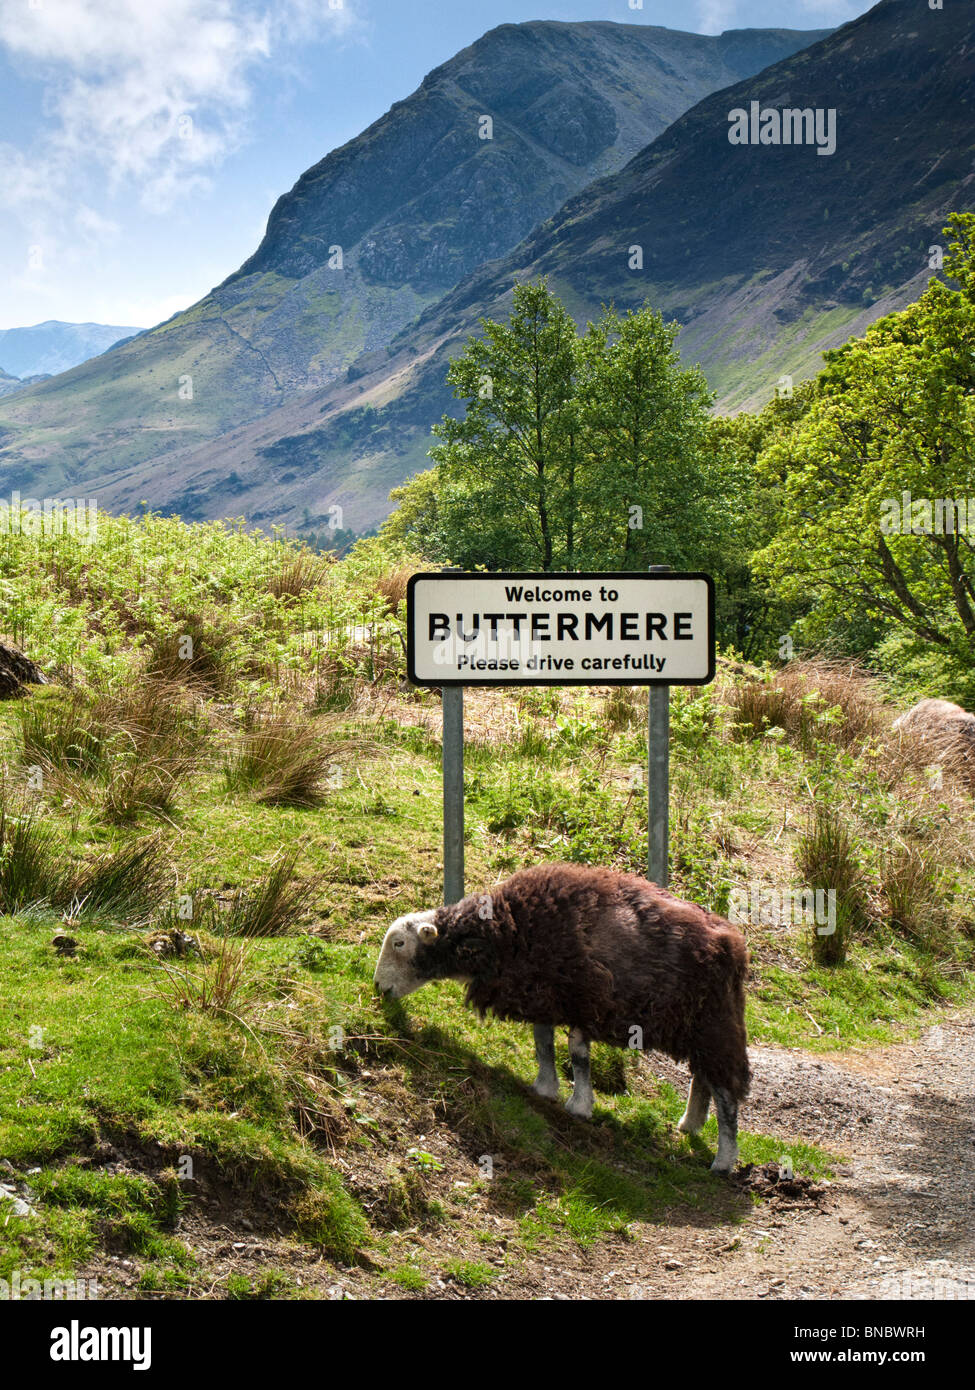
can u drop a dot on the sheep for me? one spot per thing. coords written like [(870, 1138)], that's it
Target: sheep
[(610, 956), (947, 731), (939, 719)]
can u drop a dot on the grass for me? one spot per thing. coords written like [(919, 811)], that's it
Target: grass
[(257, 1076), (284, 761), (829, 863)]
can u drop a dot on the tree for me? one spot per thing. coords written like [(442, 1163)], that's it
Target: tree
[(574, 453), (651, 493), (505, 470), (867, 473)]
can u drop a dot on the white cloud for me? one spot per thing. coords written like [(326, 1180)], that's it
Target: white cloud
[(714, 16), (154, 94)]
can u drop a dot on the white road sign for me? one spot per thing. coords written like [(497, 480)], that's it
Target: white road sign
[(629, 628)]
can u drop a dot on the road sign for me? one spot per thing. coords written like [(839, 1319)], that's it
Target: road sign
[(628, 628)]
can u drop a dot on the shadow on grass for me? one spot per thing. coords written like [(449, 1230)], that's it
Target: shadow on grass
[(552, 1170)]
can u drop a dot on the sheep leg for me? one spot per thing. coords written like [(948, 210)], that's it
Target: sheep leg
[(727, 1111), (546, 1082), (580, 1102), (696, 1112)]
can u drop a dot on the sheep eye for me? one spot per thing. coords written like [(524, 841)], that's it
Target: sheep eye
[(399, 944)]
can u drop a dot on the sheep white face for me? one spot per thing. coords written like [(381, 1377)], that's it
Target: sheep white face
[(395, 973)]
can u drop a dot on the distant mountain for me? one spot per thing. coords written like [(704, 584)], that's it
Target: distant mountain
[(377, 232), (767, 253), (9, 383), (53, 347)]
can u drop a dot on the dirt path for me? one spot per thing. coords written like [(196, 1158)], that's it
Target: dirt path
[(898, 1221)]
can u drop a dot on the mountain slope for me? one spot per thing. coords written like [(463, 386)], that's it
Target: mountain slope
[(9, 383), (53, 346), (414, 204), (767, 253)]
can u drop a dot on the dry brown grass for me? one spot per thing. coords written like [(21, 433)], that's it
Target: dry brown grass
[(295, 572), (623, 708), (810, 700), (139, 743), (198, 657), (914, 889), (391, 586), (287, 760), (145, 783), (946, 758)]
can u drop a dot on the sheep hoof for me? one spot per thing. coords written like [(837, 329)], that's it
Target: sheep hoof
[(685, 1125), (581, 1108), (548, 1090), (724, 1165)]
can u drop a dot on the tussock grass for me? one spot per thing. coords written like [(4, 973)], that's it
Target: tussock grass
[(214, 984), (270, 906), (129, 883), (197, 655), (296, 572), (915, 891), (147, 784), (827, 859), (809, 700), (285, 760), (32, 869), (141, 743), (65, 731), (391, 585)]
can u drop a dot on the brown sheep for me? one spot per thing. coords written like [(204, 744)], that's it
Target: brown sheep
[(610, 956)]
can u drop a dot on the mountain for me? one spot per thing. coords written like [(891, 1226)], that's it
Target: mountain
[(9, 383), (53, 347), (767, 253), (373, 235)]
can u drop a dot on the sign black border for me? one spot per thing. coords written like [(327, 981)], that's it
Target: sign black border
[(550, 578)]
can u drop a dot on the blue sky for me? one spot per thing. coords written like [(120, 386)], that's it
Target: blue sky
[(143, 142)]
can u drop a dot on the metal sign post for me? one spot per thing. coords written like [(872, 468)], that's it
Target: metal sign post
[(452, 752), (658, 776), (453, 794), (653, 628)]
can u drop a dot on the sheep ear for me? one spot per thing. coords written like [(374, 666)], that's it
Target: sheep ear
[(426, 931)]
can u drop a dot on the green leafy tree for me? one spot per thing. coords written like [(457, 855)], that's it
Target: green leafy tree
[(889, 434), (573, 453), (652, 493), (505, 469)]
